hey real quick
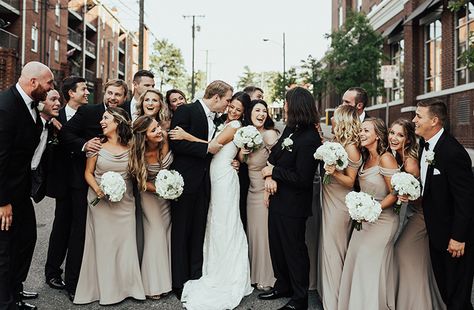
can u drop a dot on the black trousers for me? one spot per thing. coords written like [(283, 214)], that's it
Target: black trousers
[(188, 218), (16, 251), (454, 277), (289, 255), (76, 238), (244, 182), (59, 237)]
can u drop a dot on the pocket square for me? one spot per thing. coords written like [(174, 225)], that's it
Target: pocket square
[(436, 172)]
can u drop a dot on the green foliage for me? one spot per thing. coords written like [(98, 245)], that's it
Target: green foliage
[(313, 74), (248, 78), (199, 80), (167, 63), (456, 5), (279, 86), (355, 56)]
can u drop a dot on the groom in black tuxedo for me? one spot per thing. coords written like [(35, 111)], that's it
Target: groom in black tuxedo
[(20, 130), (192, 160), (78, 136), (447, 198)]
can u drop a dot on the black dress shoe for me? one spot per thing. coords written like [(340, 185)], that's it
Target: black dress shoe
[(178, 292), (71, 296), (273, 294), (291, 305), (56, 283), (28, 295), (25, 306)]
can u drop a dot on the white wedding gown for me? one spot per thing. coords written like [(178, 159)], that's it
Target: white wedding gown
[(226, 270)]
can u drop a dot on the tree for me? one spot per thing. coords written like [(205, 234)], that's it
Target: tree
[(167, 63), (247, 79), (279, 87), (199, 82), (355, 56), (313, 73)]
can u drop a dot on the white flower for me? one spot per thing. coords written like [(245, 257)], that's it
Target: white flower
[(287, 144), (430, 157), (406, 184), (40, 106), (332, 153), (169, 184), (248, 137), (113, 185), (362, 207)]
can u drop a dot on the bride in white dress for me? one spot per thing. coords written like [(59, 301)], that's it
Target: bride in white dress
[(226, 270)]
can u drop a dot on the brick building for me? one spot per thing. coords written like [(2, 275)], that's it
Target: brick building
[(425, 40), (80, 37)]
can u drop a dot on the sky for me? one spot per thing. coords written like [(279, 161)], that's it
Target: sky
[(233, 31)]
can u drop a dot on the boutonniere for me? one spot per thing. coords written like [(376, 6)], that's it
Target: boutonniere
[(40, 107), (287, 144), (430, 157)]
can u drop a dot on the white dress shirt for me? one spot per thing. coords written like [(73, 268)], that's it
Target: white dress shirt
[(41, 146), (423, 164), (362, 116), (28, 100), (70, 112), (210, 120), (133, 109)]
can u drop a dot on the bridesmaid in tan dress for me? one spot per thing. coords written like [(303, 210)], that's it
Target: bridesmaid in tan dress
[(367, 281), (416, 287), (261, 271), (151, 104), (149, 154), (110, 270), (336, 223)]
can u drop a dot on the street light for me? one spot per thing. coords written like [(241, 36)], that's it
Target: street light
[(284, 60), (194, 28)]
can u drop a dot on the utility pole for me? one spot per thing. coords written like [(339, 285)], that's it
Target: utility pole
[(193, 84), (284, 66), (141, 35)]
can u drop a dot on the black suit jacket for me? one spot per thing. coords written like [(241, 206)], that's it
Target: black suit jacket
[(294, 173), (19, 137), (191, 159), (126, 107), (82, 127), (448, 199)]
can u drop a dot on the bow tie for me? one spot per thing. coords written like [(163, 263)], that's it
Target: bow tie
[(34, 104), (427, 146)]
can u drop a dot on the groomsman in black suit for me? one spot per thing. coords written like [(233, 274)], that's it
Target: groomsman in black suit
[(358, 98), (78, 136), (447, 199), (142, 80), (20, 129), (192, 160), (76, 94)]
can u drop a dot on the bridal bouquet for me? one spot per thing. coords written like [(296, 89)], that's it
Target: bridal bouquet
[(249, 138), (332, 153), (169, 184), (113, 186), (405, 184), (362, 207)]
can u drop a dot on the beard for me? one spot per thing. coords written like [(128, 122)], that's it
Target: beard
[(39, 93)]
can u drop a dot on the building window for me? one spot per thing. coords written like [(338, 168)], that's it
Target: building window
[(56, 50), (57, 13), (36, 5), (397, 58), (464, 43), (34, 38), (340, 14), (112, 52), (433, 50)]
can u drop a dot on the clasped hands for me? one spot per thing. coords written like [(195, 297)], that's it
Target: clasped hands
[(6, 217), (455, 248)]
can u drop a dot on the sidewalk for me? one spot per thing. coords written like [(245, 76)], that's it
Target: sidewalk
[(328, 135)]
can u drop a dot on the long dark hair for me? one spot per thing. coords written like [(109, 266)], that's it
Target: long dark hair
[(269, 123), (244, 98), (381, 132), (410, 149), (302, 112), (121, 118)]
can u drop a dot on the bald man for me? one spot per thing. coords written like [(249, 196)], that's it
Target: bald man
[(20, 130)]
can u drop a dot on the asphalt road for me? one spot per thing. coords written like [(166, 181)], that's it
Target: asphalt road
[(54, 299)]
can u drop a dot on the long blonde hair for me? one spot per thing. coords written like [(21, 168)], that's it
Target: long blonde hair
[(347, 125), (137, 162), (163, 113)]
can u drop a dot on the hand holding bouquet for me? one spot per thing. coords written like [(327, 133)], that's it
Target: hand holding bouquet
[(113, 186), (405, 184), (332, 153), (362, 207), (249, 138), (169, 184)]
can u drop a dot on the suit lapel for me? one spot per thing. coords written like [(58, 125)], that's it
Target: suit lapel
[(430, 169), (62, 116), (23, 106), (203, 115)]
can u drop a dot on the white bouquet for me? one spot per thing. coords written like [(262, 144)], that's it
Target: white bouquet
[(332, 153), (113, 186), (362, 207), (169, 184), (405, 184), (249, 138)]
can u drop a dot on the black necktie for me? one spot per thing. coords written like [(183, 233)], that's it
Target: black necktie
[(427, 146), (34, 104)]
